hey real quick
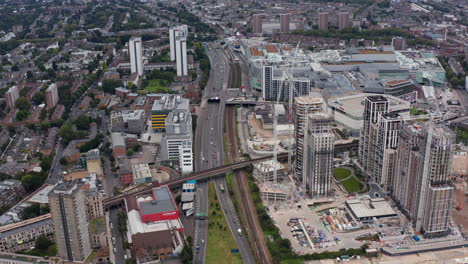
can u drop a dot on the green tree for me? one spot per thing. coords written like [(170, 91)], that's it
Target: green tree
[(38, 98), (137, 147), (31, 182), (130, 152), (83, 121), (63, 161), (46, 163), (43, 243), (108, 86), (454, 81), (22, 104)]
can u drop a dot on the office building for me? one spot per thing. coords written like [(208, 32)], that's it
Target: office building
[(22, 235), (179, 31), (303, 106), (135, 50), (11, 96), (181, 56), (284, 23), (128, 121), (318, 166), (176, 143), (257, 22), (422, 185), (68, 209), (51, 96), (163, 106), (323, 21), (343, 20)]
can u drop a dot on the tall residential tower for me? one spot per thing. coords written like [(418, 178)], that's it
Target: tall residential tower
[(323, 21), (422, 185), (320, 149), (68, 208), (179, 31), (257, 21), (284, 23), (303, 106), (135, 50)]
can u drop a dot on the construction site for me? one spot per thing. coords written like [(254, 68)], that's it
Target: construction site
[(340, 220)]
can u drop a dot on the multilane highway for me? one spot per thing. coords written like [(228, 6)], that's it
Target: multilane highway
[(209, 154)]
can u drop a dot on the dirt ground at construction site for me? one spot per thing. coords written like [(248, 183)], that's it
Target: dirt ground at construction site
[(458, 255), (461, 216)]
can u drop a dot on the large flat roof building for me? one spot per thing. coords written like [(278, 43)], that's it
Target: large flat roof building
[(128, 121), (368, 209), (151, 216), (163, 106), (349, 110)]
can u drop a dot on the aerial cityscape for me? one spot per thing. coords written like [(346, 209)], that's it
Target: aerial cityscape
[(233, 131)]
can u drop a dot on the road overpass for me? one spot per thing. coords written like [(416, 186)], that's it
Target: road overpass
[(213, 172)]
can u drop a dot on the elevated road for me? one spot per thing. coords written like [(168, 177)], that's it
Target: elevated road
[(209, 173)]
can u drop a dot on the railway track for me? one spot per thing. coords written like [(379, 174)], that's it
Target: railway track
[(256, 237)]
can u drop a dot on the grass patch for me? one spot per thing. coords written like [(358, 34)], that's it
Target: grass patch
[(341, 173), (156, 86), (352, 185), (50, 252), (220, 239)]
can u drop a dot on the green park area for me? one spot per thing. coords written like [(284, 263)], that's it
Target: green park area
[(220, 238), (341, 173), (156, 86), (351, 184)]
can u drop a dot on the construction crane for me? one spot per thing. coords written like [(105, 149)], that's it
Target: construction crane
[(290, 82), (290, 112)]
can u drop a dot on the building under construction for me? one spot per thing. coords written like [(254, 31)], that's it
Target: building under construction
[(264, 171), (318, 167), (303, 106)]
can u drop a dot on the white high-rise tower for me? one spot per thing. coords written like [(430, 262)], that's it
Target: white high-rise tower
[(181, 56), (179, 31), (135, 50)]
